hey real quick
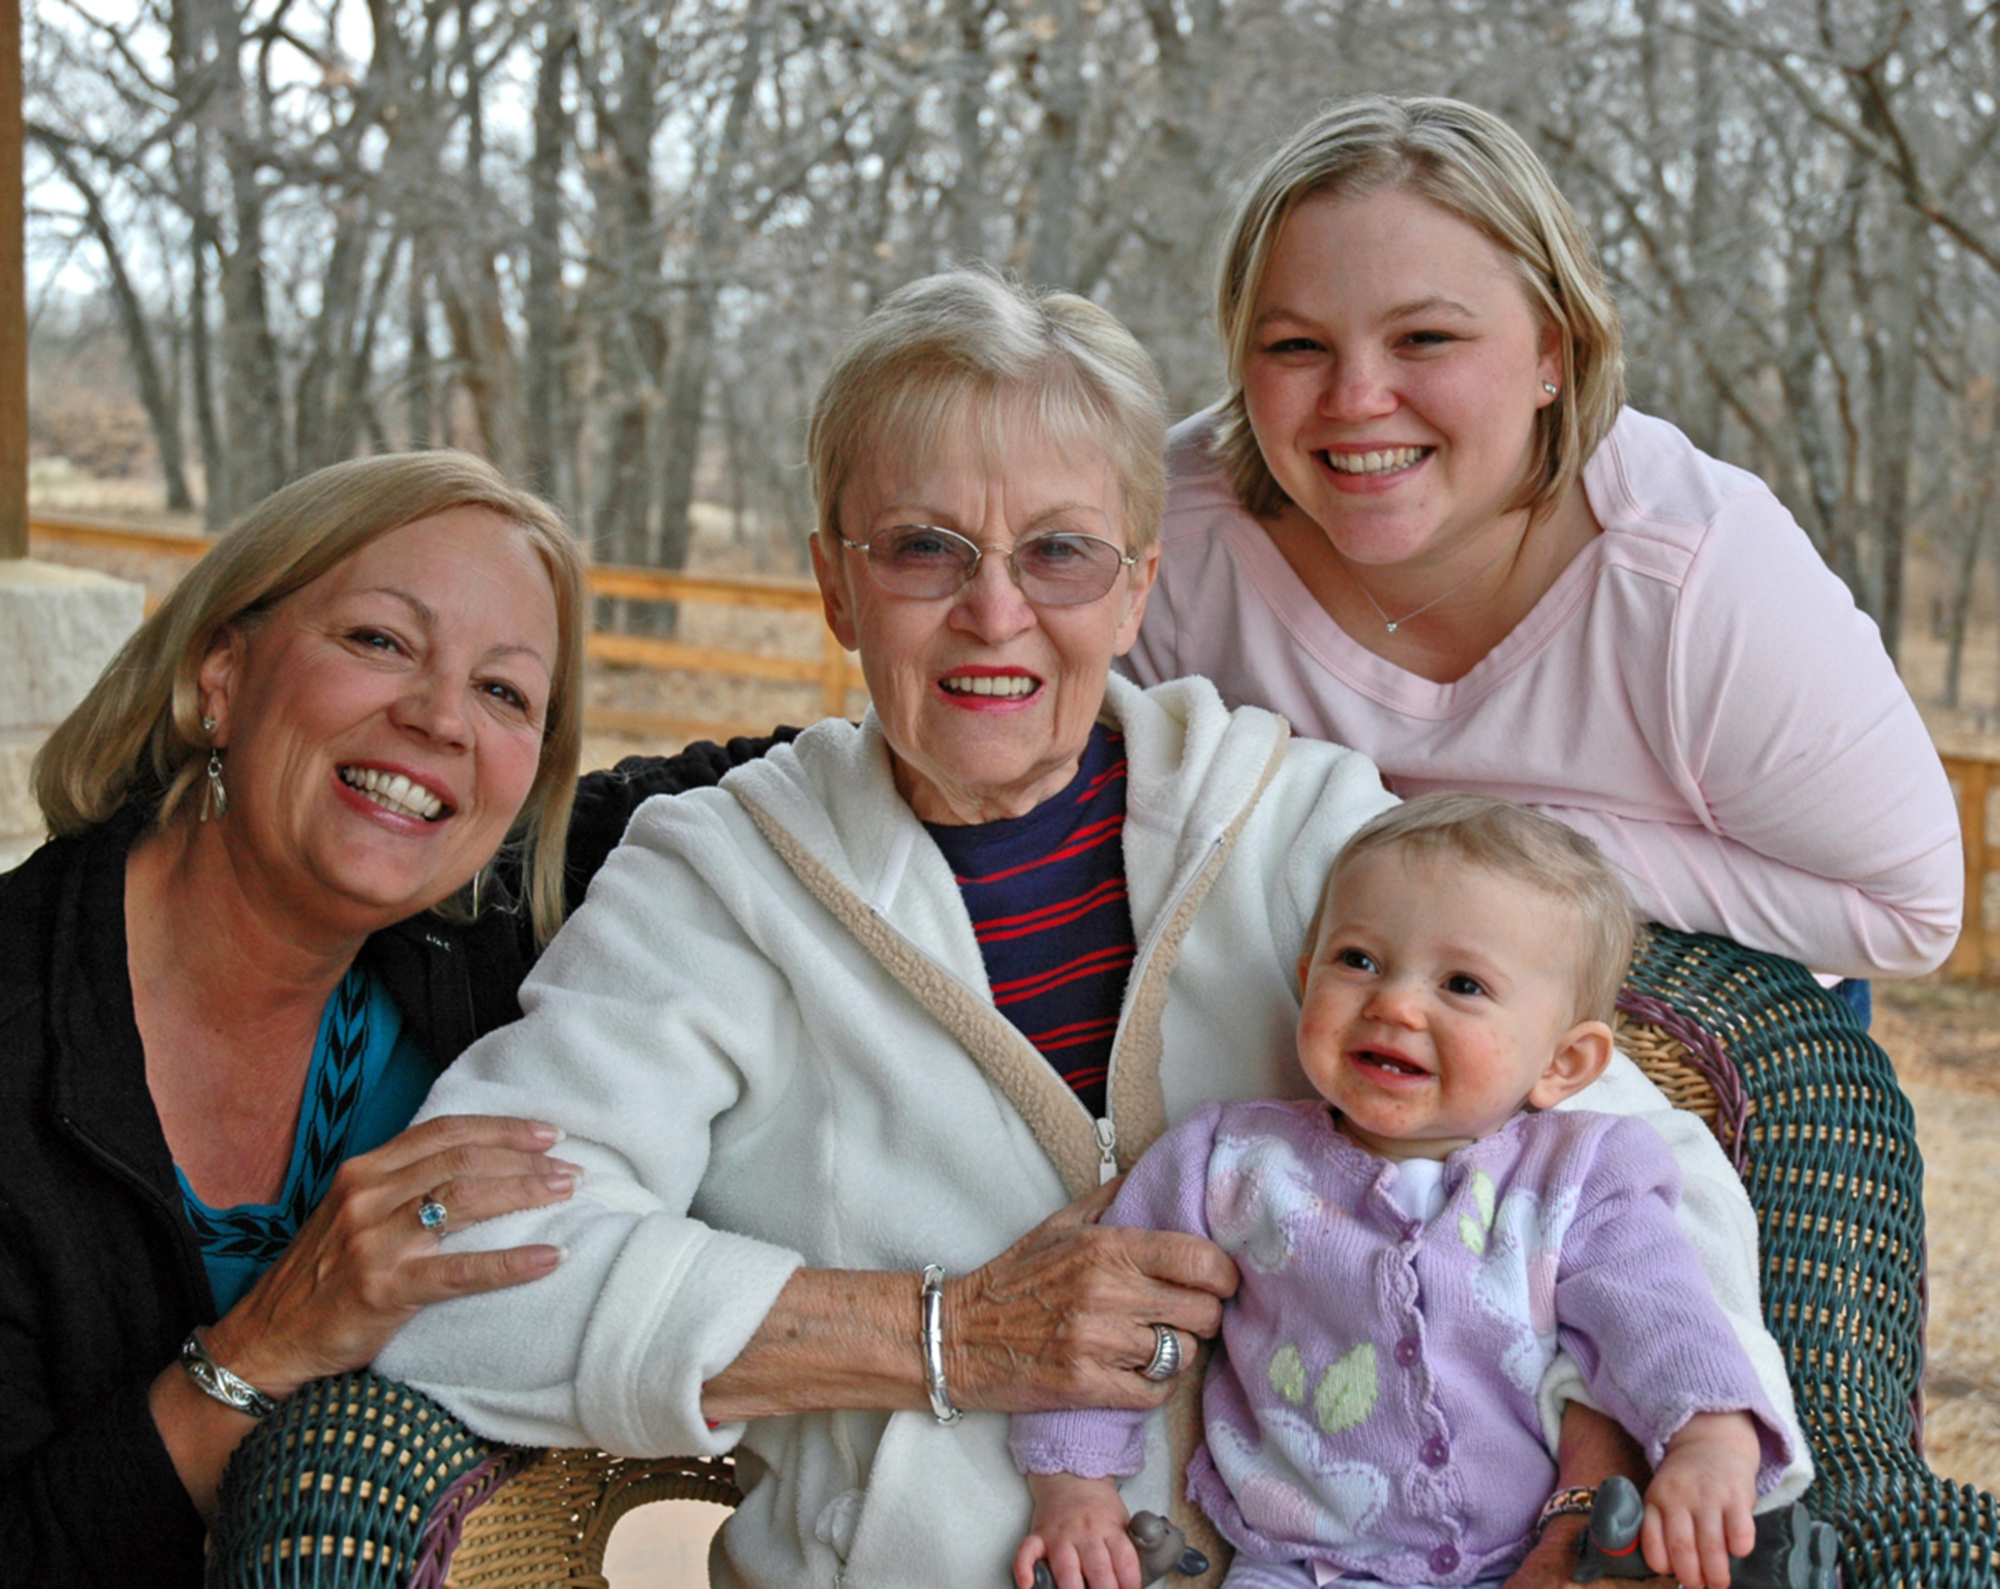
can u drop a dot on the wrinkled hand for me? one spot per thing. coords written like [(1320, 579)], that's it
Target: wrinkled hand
[(1079, 1527), (1065, 1316), (363, 1264)]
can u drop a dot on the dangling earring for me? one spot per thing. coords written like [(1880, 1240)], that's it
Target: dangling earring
[(478, 877), (215, 798)]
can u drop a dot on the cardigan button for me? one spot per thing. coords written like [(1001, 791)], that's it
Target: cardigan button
[(1444, 1560), (1436, 1454), (1408, 1350)]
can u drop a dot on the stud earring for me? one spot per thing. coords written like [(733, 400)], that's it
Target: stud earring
[(215, 798), (208, 725), (1551, 388)]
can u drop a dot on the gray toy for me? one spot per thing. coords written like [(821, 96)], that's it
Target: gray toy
[(1794, 1550), (1163, 1548)]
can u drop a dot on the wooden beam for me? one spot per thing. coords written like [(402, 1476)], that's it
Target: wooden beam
[(1968, 957), (737, 590), (13, 296)]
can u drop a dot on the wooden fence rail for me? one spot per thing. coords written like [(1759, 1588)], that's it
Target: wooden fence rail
[(832, 670), (1977, 953)]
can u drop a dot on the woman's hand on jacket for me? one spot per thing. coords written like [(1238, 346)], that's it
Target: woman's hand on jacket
[(1065, 1316), (364, 1262)]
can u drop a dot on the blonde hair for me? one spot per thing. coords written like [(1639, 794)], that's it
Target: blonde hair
[(1476, 167), (137, 735), (1530, 848), (966, 350)]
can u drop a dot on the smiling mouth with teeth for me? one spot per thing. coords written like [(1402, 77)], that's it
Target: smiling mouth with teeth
[(1009, 686), (1387, 461), (392, 791), (1390, 1063)]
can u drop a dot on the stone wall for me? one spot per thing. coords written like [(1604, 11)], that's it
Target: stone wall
[(59, 626)]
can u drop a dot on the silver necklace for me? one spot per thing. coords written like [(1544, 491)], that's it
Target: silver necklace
[(1393, 624)]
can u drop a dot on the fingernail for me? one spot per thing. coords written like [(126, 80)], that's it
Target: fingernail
[(544, 1258), (563, 1184), (547, 1135)]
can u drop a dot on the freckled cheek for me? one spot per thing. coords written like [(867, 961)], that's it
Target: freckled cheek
[(1319, 1031), (1483, 1061)]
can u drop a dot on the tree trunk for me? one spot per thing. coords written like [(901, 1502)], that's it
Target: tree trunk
[(162, 412), (419, 381), (319, 423), (546, 395), (622, 298), (968, 188), (1063, 104), (687, 389), (1893, 376), (253, 398)]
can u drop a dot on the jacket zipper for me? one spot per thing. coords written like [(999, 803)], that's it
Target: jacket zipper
[(1142, 959)]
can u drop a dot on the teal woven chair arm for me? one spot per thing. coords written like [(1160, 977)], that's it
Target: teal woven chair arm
[(1825, 1140), (356, 1482)]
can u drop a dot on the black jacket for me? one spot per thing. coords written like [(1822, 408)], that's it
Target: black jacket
[(100, 1274)]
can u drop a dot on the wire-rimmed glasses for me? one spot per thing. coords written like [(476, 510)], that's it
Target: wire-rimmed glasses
[(1061, 569)]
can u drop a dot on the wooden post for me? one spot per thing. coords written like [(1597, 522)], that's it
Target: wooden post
[(13, 296), (1968, 956)]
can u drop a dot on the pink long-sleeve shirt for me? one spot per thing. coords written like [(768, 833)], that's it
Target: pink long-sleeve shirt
[(1697, 692)]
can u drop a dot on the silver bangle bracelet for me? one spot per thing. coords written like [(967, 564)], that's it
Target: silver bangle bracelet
[(932, 1342), (218, 1382)]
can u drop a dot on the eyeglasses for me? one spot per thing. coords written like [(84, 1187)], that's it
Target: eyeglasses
[(1063, 569)]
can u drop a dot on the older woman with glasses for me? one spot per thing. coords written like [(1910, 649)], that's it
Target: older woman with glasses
[(827, 1039)]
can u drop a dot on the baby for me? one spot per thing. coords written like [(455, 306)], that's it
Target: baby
[(1412, 1257)]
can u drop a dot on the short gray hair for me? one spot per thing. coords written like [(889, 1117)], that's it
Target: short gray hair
[(1476, 167), (958, 350)]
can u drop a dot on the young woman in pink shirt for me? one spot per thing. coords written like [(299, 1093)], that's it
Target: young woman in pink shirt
[(1423, 524)]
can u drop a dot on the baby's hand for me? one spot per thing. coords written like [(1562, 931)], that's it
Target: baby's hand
[(1079, 1526), (1698, 1505)]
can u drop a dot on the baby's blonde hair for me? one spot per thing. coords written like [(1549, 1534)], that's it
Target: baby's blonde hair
[(1530, 848)]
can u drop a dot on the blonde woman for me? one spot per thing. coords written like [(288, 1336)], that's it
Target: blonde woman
[(1423, 523), (270, 912)]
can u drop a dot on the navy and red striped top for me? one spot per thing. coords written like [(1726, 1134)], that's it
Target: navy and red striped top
[(1046, 893)]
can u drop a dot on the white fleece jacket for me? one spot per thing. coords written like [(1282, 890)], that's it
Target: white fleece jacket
[(769, 1038)]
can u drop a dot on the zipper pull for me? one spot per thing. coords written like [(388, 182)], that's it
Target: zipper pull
[(1107, 1145)]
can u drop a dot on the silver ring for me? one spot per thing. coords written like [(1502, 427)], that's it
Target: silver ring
[(1166, 1355), (431, 1214)]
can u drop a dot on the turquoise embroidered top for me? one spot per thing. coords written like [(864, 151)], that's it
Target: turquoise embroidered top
[(366, 1081)]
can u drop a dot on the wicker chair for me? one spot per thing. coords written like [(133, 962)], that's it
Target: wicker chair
[(359, 1483)]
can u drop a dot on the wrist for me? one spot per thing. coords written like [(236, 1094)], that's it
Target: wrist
[(216, 1380), (931, 1344), (247, 1352), (1573, 1502)]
